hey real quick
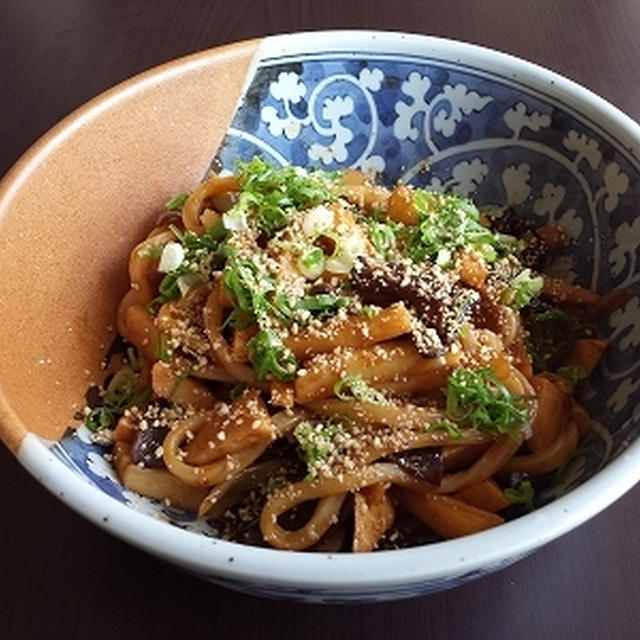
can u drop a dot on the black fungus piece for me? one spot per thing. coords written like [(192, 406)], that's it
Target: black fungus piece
[(487, 314), (146, 447), (339, 537), (438, 304), (93, 397), (374, 286), (321, 287), (538, 305), (551, 335), (425, 464), (510, 223), (407, 531), (118, 346), (534, 253), (515, 478), (540, 484), (262, 240), (241, 522), (298, 516), (292, 467)]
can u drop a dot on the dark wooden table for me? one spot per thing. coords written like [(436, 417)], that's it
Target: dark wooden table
[(61, 577)]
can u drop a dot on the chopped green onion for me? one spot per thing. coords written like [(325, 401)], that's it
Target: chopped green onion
[(322, 304), (452, 429), (522, 289), (248, 286), (235, 220), (269, 356), (190, 260), (121, 388), (523, 494), (487, 251), (121, 394), (237, 390), (382, 236), (572, 372), (168, 287), (447, 223), (177, 202), (269, 196), (150, 252), (370, 310), (164, 350), (552, 334), (100, 418), (356, 387), (311, 263), (476, 398), (316, 443), (444, 258), (172, 257), (153, 306)]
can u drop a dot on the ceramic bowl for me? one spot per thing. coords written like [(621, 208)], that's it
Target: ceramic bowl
[(434, 112)]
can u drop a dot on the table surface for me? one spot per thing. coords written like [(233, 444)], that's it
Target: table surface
[(61, 577)]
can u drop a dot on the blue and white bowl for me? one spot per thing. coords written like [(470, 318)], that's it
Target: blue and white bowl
[(432, 112)]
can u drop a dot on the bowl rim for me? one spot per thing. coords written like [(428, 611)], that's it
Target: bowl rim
[(318, 572), (334, 572)]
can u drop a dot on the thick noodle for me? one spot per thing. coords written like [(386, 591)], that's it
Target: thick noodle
[(327, 510), (213, 320)]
